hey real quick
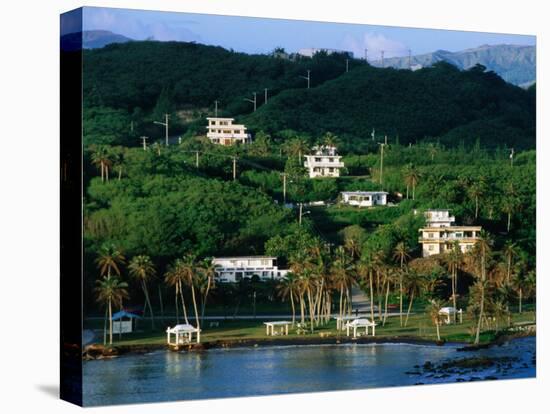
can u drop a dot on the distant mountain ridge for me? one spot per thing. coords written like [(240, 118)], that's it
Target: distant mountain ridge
[(91, 39), (514, 63)]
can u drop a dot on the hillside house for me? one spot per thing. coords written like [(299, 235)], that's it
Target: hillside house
[(324, 162), (364, 198), (233, 269), (223, 131)]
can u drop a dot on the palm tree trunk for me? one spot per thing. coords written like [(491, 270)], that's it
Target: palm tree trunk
[(340, 313), (293, 309), (379, 295), (203, 305), (177, 307), (148, 301), (401, 298), (481, 305), (110, 323), (409, 309), (195, 305), (183, 304), (311, 310), (371, 297), (105, 326), (161, 304), (119, 173), (437, 330), (520, 299), (386, 302), (453, 277), (509, 220)]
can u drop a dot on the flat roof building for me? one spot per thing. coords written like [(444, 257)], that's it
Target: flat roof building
[(324, 162), (223, 131), (233, 269), (364, 198)]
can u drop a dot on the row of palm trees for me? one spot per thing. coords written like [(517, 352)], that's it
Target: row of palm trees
[(319, 275), (187, 273)]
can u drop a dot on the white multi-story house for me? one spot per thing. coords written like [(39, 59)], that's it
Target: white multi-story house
[(324, 162), (233, 269), (438, 218), (440, 234), (364, 198), (224, 132)]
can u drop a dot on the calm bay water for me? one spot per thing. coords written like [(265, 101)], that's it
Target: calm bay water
[(166, 376)]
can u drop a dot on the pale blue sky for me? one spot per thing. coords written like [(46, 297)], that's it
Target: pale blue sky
[(261, 35)]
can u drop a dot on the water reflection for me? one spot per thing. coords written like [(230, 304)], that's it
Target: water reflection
[(164, 375)]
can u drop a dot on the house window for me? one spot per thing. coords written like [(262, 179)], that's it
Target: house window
[(430, 247)]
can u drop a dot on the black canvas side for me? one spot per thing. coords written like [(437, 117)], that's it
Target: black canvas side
[(71, 207)]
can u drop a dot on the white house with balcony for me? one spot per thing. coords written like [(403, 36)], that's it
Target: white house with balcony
[(233, 269), (223, 131), (438, 218), (324, 162), (440, 234), (364, 198)]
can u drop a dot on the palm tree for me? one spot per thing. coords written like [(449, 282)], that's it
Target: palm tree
[(142, 269), (401, 254), (476, 191), (189, 269), (433, 310), (509, 205), (453, 260), (110, 259), (110, 292), (102, 159), (296, 147), (413, 286), (482, 251), (341, 272), (510, 251), (117, 158), (207, 273), (329, 140), (175, 277), (365, 269), (411, 176), (287, 288)]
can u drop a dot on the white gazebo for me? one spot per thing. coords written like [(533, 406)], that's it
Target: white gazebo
[(360, 323), (270, 328), (341, 321), (183, 333), (449, 312)]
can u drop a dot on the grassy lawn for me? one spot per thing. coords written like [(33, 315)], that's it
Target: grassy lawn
[(418, 327)]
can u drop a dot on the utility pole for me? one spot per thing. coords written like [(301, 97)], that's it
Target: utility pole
[(300, 213), (284, 188), (308, 77), (382, 57), (512, 157), (372, 134), (252, 100), (144, 142), (385, 140), (265, 95), (132, 126), (216, 108), (234, 168), (197, 159), (381, 162), (165, 124), (347, 65)]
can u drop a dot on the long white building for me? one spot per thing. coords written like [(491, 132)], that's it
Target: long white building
[(233, 269), (364, 198), (440, 234), (324, 162), (224, 132)]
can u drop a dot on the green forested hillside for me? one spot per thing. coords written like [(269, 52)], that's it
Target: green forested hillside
[(442, 101), (135, 83)]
